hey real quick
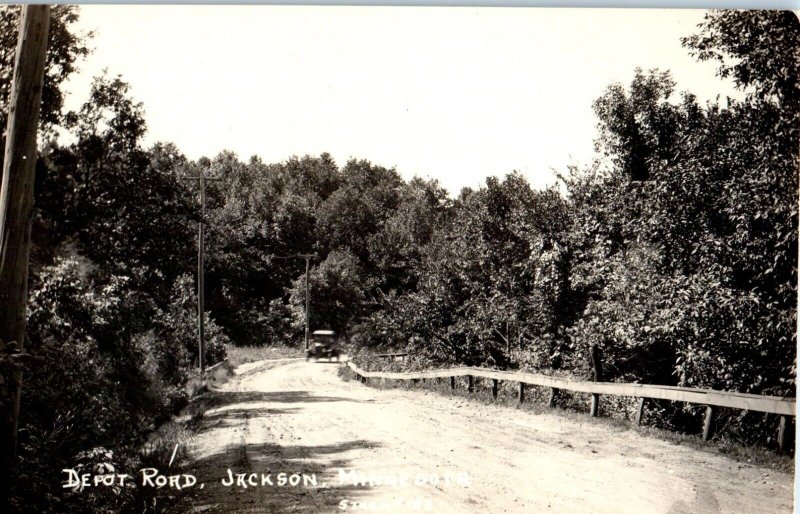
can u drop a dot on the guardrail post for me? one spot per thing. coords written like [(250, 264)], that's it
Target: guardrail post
[(452, 383), (784, 435), (521, 393), (595, 403), (470, 384), (640, 411), (494, 388), (552, 401), (708, 423)]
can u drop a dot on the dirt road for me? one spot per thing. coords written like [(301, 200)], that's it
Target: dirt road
[(301, 419)]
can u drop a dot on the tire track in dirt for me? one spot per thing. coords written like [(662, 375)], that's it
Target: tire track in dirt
[(342, 428)]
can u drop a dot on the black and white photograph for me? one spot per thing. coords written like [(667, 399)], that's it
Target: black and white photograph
[(398, 259)]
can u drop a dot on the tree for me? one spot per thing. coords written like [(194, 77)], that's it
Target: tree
[(396, 248), (639, 128), (123, 205), (114, 251), (757, 49), (691, 277), (66, 48), (338, 287), (258, 215), (366, 196)]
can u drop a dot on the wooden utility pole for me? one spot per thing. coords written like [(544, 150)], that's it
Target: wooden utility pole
[(201, 271), (308, 260), (307, 257), (16, 209)]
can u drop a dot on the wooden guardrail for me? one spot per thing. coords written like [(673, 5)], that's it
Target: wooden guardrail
[(785, 407), (223, 362), (218, 370)]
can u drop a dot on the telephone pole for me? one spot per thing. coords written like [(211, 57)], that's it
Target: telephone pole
[(16, 210), (201, 294), (307, 257)]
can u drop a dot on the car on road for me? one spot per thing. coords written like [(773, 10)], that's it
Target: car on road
[(323, 345)]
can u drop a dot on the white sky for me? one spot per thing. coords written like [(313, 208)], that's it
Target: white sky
[(455, 94)]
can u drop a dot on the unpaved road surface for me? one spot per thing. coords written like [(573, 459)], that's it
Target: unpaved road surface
[(301, 418)]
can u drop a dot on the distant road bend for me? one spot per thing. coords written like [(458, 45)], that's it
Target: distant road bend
[(297, 421)]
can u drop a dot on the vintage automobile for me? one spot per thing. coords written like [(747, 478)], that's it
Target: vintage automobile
[(323, 344)]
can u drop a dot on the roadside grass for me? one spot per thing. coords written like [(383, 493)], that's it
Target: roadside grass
[(170, 437), (166, 450), (617, 417), (238, 355)]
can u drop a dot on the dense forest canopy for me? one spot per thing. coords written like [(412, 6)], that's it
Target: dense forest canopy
[(674, 254)]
